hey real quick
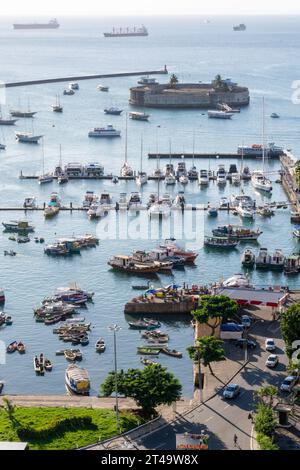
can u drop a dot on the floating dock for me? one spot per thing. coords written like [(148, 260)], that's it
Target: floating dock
[(206, 155), (73, 78)]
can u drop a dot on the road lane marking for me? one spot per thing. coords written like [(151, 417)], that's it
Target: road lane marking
[(208, 419)]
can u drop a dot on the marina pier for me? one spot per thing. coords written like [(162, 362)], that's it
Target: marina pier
[(163, 71), (206, 155)]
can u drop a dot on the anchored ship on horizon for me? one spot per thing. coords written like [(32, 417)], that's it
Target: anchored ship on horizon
[(126, 32), (52, 24)]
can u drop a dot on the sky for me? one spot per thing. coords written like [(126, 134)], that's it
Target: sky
[(56, 8)]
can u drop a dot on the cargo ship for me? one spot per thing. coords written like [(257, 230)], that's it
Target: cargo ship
[(52, 24), (127, 32)]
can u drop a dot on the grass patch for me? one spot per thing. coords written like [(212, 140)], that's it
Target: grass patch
[(66, 428)]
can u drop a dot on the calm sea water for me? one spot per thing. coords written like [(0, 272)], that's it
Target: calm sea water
[(264, 58)]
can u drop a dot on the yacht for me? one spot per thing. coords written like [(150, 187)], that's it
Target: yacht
[(57, 108), (102, 88), (113, 111), (169, 168), (158, 173), (203, 178), (105, 201), (181, 169), (142, 178), (259, 150), (260, 182), (22, 114), (96, 211), (179, 201), (236, 199), (221, 175), (147, 81), (126, 170), (69, 91), (123, 202), (138, 116), (248, 258), (170, 179), (135, 202), (193, 173), (27, 137), (277, 260), (45, 178), (183, 179), (89, 199), (245, 211), (224, 203), (108, 131), (236, 179), (74, 86), (217, 114), (18, 226), (30, 203), (159, 209), (263, 259), (246, 174)]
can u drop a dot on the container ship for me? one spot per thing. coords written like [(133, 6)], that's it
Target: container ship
[(127, 32), (52, 24)]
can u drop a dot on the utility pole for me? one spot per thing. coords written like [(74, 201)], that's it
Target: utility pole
[(115, 328)]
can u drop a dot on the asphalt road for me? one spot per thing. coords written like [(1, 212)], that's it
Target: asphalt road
[(220, 418)]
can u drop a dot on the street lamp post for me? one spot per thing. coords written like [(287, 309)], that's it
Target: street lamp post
[(197, 348), (115, 328)]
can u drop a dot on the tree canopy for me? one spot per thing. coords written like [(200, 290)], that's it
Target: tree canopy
[(290, 326), (213, 309), (173, 80), (209, 349), (149, 387)]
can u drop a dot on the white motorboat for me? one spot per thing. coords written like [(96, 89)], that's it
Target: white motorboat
[(183, 179), (245, 211), (137, 116), (89, 199), (158, 209), (105, 201), (221, 175), (30, 203), (237, 280), (108, 131), (28, 137), (248, 258), (57, 107), (179, 201), (169, 168), (218, 114), (123, 202), (193, 173), (263, 259), (158, 173), (102, 88), (203, 178), (236, 199), (147, 81), (260, 182), (141, 178), (170, 179), (126, 170), (69, 92), (236, 179), (135, 202), (96, 211), (246, 174), (181, 169), (74, 86)]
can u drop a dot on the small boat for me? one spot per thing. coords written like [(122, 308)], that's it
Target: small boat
[(28, 137), (203, 178), (220, 242), (62, 178), (147, 81), (50, 211), (172, 352), (274, 116), (102, 88), (100, 345), (36, 365), (108, 131), (69, 92), (22, 114), (9, 253), (8, 320), (126, 170), (48, 365), (2, 146), (248, 258), (148, 351), (74, 86), (265, 211), (70, 354), (138, 116), (183, 179), (12, 347), (260, 182), (20, 226), (30, 203), (77, 380), (113, 111), (212, 211), (292, 264), (296, 232), (144, 324), (23, 239), (218, 114), (57, 108), (237, 232), (146, 362), (115, 179), (21, 348), (45, 178)]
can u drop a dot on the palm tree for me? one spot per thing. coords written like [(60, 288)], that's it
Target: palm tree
[(173, 81), (266, 395), (209, 349)]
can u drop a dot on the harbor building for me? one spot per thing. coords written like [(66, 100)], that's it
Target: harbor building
[(190, 95)]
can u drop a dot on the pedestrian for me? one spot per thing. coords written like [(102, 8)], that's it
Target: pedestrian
[(235, 438), (250, 417)]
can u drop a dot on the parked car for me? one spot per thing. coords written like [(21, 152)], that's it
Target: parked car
[(250, 343), (231, 391), (272, 360), (270, 344), (246, 321), (288, 383)]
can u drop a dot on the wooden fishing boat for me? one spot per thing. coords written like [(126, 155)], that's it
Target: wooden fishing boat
[(84, 341), (38, 366), (155, 334), (148, 351), (147, 362), (77, 380), (172, 352), (12, 347), (70, 354), (220, 242), (48, 365), (144, 325), (100, 345), (21, 348)]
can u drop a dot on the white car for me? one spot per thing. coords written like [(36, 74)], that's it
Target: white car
[(231, 391), (288, 383), (246, 321), (270, 344), (272, 360)]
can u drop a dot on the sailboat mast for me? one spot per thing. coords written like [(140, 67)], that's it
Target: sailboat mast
[(263, 133), (126, 137), (193, 148), (141, 152)]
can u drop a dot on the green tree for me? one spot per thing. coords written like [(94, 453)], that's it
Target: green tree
[(266, 395), (9, 409), (173, 81), (209, 349), (220, 84), (290, 326), (213, 309), (266, 442), (264, 420), (149, 387)]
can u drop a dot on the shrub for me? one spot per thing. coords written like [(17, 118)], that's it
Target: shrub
[(54, 429), (266, 442)]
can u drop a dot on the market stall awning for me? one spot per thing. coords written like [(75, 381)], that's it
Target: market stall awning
[(263, 297)]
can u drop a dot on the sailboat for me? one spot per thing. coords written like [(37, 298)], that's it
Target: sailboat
[(160, 207), (6, 121), (44, 177), (126, 170), (258, 179), (22, 113), (170, 178), (193, 173), (57, 107), (142, 177), (62, 177), (28, 137)]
